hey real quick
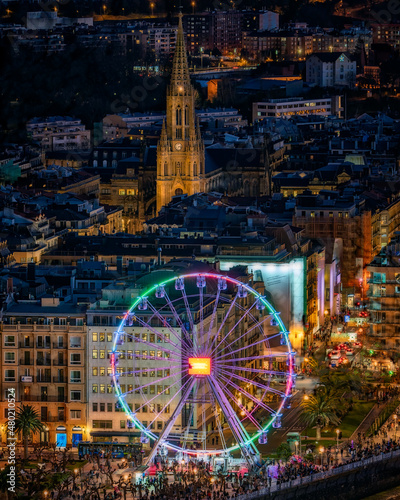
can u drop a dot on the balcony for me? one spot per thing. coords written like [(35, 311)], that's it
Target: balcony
[(48, 399), (43, 362), (59, 346), (55, 419), (23, 345), (57, 362), (26, 362), (75, 381), (43, 346), (43, 379), (59, 380)]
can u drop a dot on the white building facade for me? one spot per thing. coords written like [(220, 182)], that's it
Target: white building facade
[(331, 69)]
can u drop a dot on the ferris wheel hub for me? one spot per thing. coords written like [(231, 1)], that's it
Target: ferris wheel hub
[(199, 366)]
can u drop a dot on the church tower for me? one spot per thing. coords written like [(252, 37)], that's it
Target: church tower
[(180, 150)]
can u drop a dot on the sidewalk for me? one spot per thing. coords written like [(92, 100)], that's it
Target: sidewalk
[(368, 420)]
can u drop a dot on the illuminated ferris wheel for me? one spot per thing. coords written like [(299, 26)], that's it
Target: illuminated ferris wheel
[(209, 367)]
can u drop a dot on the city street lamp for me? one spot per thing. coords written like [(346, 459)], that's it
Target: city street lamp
[(296, 443), (321, 450), (395, 426), (193, 6), (152, 9), (337, 445)]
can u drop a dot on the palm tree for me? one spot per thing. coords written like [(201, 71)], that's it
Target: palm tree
[(320, 410), (26, 421)]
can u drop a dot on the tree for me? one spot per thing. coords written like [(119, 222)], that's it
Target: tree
[(284, 452), (26, 422), (320, 410)]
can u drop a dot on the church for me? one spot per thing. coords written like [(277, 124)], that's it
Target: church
[(144, 178), (183, 164)]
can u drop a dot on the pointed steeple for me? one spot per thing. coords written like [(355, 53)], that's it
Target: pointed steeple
[(180, 69)]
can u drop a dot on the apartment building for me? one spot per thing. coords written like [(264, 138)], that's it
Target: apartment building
[(285, 108), (43, 345), (331, 69), (59, 133)]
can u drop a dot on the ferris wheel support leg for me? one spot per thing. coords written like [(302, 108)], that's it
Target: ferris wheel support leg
[(247, 447), (167, 429)]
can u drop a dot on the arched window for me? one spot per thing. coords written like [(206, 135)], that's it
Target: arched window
[(178, 116), (186, 115), (194, 168), (95, 163), (165, 168), (178, 192)]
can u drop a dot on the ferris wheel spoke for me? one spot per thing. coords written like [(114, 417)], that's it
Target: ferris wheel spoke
[(239, 432), (253, 382), (213, 316), (215, 339), (217, 417), (241, 407), (184, 347), (170, 423), (154, 382), (187, 307), (246, 333), (167, 404), (249, 346), (158, 334), (201, 311), (158, 347), (252, 370), (252, 358), (233, 328), (178, 319), (140, 370), (187, 428), (249, 396), (148, 401)]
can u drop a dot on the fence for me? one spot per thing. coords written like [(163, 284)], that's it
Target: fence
[(380, 420), (319, 476)]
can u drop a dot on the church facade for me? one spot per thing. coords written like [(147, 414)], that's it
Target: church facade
[(180, 151), (143, 178)]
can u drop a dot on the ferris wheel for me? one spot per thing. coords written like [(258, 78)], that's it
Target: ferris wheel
[(202, 365)]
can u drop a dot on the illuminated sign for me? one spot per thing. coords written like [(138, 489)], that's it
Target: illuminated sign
[(199, 366)]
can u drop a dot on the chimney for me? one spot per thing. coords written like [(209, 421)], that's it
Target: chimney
[(10, 286)]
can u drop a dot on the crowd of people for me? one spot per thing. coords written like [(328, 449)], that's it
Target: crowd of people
[(195, 481)]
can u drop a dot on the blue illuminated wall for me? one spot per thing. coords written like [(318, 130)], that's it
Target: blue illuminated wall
[(285, 284)]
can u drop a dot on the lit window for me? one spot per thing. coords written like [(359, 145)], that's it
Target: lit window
[(9, 357)]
